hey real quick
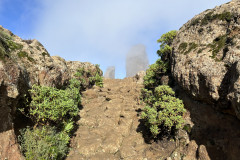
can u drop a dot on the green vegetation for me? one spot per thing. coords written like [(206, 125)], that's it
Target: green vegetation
[(163, 114), (200, 50), (14, 46), (53, 112), (185, 48), (51, 105), (45, 54), (5, 35), (4, 52), (44, 143), (220, 43), (86, 76), (195, 21), (209, 17), (166, 41), (23, 54), (154, 74), (191, 47), (182, 47)]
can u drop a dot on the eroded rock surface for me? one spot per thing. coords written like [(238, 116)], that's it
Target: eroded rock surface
[(206, 54)]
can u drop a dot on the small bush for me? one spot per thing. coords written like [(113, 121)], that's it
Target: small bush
[(44, 143), (182, 47), (86, 77), (23, 54), (191, 47), (154, 73), (51, 105), (166, 41), (165, 114)]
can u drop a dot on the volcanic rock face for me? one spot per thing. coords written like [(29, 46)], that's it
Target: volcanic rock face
[(22, 64), (205, 57), (110, 73), (136, 60)]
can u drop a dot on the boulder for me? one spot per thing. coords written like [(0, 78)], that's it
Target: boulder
[(205, 56)]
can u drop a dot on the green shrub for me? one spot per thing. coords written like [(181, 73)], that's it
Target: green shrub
[(51, 105), (163, 112), (191, 47), (4, 52), (154, 73), (23, 54), (165, 115), (44, 143), (182, 47), (97, 80), (166, 41), (147, 96), (86, 77), (14, 46)]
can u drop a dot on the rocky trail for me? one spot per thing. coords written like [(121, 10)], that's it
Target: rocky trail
[(109, 126)]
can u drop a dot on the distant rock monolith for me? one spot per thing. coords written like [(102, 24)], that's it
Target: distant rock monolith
[(136, 60), (110, 72)]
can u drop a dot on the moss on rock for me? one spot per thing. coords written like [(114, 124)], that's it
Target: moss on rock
[(23, 54)]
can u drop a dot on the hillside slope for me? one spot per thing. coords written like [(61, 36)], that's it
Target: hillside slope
[(24, 63)]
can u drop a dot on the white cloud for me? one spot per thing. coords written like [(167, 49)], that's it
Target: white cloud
[(103, 31)]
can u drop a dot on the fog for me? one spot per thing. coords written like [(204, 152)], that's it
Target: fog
[(136, 60), (110, 72)]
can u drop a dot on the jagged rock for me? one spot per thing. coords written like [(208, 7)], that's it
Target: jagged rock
[(202, 153), (205, 54), (22, 64), (136, 60), (110, 73), (139, 77)]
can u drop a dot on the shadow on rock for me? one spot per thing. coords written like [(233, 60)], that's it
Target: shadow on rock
[(218, 132)]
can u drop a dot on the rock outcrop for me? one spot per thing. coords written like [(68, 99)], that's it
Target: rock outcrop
[(206, 54), (22, 64), (110, 72), (136, 60)]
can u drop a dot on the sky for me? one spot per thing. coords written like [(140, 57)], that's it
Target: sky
[(99, 31)]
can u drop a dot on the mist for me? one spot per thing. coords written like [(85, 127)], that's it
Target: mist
[(136, 60), (102, 32), (110, 72)]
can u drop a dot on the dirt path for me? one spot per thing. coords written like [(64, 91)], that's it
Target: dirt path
[(109, 124)]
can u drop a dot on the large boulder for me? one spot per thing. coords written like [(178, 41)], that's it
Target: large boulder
[(205, 57)]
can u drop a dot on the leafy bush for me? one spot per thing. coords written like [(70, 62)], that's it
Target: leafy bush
[(97, 80), (166, 41), (86, 77), (163, 112), (44, 143), (50, 105), (165, 115), (154, 73)]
